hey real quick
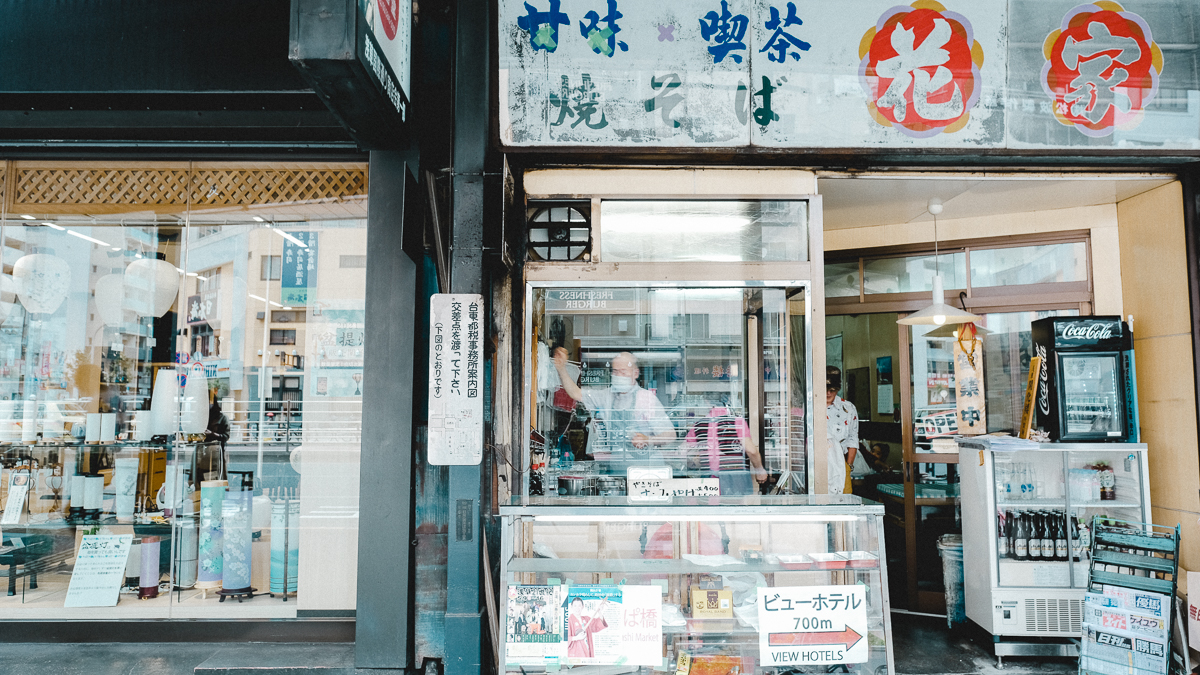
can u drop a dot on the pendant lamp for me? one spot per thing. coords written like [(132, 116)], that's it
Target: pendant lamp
[(152, 286), (110, 299), (938, 313), (43, 280)]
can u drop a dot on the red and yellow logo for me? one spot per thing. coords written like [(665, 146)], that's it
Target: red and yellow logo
[(920, 69), (1102, 68)]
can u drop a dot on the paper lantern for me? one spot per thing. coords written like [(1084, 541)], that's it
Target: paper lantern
[(193, 413), (185, 567), (164, 404), (285, 545), (110, 299), (236, 514), (43, 282), (29, 421), (151, 286), (125, 475), (8, 295), (141, 425), (148, 585), (212, 497)]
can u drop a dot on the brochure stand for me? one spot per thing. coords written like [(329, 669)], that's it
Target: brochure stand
[(1130, 618)]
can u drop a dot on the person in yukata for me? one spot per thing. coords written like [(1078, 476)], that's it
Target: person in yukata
[(580, 627)]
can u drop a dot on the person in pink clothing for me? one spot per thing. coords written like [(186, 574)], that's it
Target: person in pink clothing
[(580, 627)]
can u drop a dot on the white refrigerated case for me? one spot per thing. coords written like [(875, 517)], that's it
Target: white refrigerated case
[(1020, 599)]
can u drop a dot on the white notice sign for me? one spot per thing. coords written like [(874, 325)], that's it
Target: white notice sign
[(812, 625), (18, 487), (456, 379), (99, 570)]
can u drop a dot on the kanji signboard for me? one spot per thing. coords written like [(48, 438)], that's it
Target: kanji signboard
[(861, 73), (456, 323), (812, 625), (299, 268)]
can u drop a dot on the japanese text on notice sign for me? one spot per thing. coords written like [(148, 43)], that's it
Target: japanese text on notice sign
[(812, 625), (455, 379)]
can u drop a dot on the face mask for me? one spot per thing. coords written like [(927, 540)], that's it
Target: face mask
[(622, 384)]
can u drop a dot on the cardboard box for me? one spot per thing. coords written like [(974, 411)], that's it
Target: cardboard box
[(712, 604)]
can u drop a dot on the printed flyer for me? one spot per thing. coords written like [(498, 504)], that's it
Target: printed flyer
[(613, 625), (534, 624)]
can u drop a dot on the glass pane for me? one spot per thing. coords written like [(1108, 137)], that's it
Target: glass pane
[(1032, 524), (1091, 394), (685, 380), (1105, 484), (698, 231), (1047, 264), (934, 411), (841, 280), (1007, 348), (131, 353), (914, 273)]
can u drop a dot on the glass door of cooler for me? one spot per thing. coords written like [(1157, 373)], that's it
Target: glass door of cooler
[(1107, 483), (1091, 396), (1032, 519)]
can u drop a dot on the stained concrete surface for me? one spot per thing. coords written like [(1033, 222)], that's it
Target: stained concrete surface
[(922, 644)]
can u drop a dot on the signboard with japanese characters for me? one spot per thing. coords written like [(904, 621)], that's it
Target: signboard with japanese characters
[(299, 268), (863, 73), (456, 322), (812, 625), (204, 308), (99, 570), (969, 396)]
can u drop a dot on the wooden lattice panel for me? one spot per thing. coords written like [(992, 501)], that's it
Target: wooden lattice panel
[(91, 188)]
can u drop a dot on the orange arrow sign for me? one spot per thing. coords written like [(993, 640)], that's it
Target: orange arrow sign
[(848, 637)]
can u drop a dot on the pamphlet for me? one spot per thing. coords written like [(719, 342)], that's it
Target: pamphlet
[(534, 624)]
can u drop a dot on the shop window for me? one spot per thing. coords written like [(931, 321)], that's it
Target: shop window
[(841, 280), (127, 356), (729, 359), (914, 274), (1019, 265), (559, 231), (703, 231), (272, 267)]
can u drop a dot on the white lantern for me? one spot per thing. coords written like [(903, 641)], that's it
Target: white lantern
[(43, 281), (194, 409), (8, 295), (164, 404), (110, 299), (155, 282)]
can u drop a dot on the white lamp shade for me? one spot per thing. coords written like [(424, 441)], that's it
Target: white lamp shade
[(164, 404), (110, 299), (151, 286), (938, 313), (194, 408), (43, 281)]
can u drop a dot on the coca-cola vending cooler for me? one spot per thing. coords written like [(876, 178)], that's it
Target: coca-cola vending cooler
[(1087, 389)]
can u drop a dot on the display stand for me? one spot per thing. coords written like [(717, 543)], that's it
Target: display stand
[(1136, 557)]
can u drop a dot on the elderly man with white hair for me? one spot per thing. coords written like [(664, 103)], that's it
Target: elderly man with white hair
[(630, 420)]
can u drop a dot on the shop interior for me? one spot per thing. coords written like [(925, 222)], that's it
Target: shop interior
[(1012, 249)]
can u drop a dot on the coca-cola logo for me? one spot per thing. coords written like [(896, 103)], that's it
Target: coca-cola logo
[(1044, 382), (1090, 331)]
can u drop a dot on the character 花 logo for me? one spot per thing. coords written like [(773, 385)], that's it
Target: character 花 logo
[(1102, 68), (920, 69)]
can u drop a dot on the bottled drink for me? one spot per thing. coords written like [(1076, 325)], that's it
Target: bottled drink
[(1001, 535), (1021, 539), (1085, 539), (1060, 537), (1048, 546), (1010, 525), (1035, 537)]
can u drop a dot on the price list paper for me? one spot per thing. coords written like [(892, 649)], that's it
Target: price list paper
[(456, 379), (99, 570)]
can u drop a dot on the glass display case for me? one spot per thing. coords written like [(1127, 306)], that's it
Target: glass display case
[(1026, 510), (743, 584)]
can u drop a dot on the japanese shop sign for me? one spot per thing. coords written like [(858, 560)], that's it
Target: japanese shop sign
[(812, 625), (386, 48), (203, 308), (456, 324), (299, 269), (99, 570), (581, 301), (969, 397), (779, 73)]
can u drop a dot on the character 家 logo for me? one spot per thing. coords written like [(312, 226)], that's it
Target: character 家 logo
[(1102, 68)]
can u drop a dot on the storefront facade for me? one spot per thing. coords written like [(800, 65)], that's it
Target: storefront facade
[(715, 200)]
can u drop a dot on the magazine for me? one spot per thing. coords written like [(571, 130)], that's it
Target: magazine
[(534, 624)]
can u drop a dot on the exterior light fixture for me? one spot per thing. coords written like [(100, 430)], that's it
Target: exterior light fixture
[(938, 313)]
